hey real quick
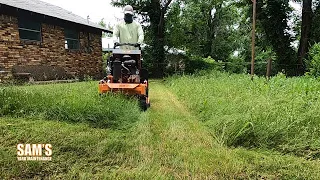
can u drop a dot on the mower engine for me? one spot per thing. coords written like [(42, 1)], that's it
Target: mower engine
[(125, 70)]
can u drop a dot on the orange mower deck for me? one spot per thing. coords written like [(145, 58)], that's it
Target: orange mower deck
[(126, 88)]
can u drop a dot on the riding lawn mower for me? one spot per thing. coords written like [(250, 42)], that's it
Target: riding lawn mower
[(126, 75)]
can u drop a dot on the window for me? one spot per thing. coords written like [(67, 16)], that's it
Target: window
[(71, 39), (29, 30)]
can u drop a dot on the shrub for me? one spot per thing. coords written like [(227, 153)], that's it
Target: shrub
[(314, 65), (196, 63), (236, 65)]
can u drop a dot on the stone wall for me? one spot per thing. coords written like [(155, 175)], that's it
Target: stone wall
[(51, 51)]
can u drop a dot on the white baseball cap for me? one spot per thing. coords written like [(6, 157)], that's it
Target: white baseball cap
[(128, 9)]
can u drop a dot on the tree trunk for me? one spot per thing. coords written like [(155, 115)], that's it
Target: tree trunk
[(305, 33), (159, 56), (210, 35), (213, 24), (157, 24)]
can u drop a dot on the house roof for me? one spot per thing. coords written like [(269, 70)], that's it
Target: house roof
[(44, 8)]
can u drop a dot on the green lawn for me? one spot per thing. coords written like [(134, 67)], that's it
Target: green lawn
[(169, 141)]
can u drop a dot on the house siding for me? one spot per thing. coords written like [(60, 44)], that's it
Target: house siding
[(51, 51)]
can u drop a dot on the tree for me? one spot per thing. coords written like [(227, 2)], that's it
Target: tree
[(273, 16), (305, 32), (103, 24), (153, 12), (207, 28)]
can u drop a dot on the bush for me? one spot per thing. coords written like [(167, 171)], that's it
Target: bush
[(196, 63), (314, 65), (236, 65)]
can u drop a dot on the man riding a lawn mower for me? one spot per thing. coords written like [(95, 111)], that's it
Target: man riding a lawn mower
[(128, 31), (124, 68)]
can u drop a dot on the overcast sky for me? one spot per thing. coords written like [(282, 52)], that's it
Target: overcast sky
[(96, 9)]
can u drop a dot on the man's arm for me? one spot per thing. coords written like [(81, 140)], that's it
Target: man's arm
[(140, 34), (116, 33)]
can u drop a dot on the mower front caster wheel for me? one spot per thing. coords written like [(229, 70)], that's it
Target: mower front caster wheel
[(143, 104)]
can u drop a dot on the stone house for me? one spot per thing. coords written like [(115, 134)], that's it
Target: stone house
[(37, 38)]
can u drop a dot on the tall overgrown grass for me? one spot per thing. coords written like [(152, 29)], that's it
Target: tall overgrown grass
[(282, 114), (69, 102)]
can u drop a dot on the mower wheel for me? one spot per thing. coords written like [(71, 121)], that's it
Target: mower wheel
[(143, 104)]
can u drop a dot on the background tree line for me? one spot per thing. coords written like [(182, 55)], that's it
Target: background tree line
[(197, 34)]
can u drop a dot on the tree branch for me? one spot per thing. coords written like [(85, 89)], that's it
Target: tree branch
[(166, 5), (162, 13)]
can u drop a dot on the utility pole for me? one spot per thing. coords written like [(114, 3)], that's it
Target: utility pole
[(253, 36)]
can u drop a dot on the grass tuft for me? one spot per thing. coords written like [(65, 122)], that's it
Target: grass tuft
[(76, 103), (282, 114)]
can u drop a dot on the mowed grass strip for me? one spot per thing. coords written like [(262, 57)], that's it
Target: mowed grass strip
[(282, 114), (79, 150), (174, 144), (76, 102), (90, 135)]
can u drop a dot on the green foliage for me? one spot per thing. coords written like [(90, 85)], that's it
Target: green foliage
[(314, 65), (196, 63), (175, 32), (281, 115), (67, 102), (219, 28), (236, 64), (103, 24), (261, 61), (315, 28), (274, 17), (207, 28)]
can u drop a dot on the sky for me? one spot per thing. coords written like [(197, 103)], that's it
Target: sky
[(96, 9)]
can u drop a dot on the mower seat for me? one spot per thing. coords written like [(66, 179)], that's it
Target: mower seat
[(126, 58), (129, 62)]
